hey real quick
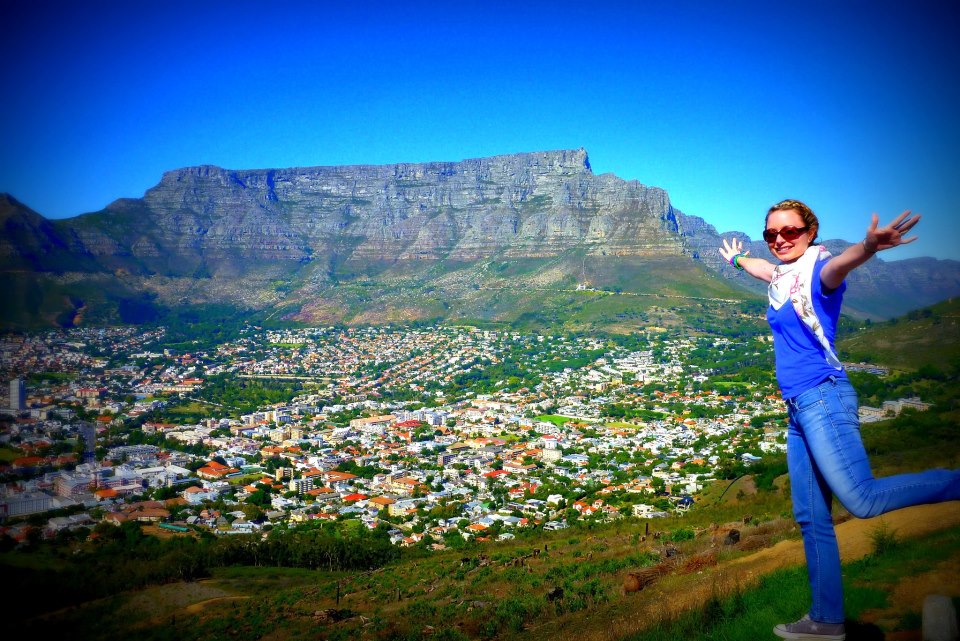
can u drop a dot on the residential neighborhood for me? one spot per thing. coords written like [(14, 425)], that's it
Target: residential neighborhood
[(439, 434)]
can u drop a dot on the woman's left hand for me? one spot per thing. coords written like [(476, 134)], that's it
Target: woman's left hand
[(891, 235), (731, 249)]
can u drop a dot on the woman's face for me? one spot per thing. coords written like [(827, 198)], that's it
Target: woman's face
[(787, 251)]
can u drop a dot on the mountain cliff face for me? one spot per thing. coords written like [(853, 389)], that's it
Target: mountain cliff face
[(299, 239), (524, 205)]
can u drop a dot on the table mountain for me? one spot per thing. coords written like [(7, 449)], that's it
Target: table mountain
[(370, 243)]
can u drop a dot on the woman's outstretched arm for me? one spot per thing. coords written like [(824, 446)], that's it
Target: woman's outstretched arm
[(756, 267), (877, 239)]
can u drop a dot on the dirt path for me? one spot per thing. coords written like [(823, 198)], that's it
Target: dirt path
[(674, 595), (200, 606), (855, 536), (163, 601)]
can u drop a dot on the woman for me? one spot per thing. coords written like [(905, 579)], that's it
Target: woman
[(825, 455)]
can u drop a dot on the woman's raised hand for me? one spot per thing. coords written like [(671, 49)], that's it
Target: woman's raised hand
[(731, 249), (890, 235)]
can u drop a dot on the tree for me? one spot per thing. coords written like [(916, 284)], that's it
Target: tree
[(252, 512), (259, 497), (454, 540), (164, 493)]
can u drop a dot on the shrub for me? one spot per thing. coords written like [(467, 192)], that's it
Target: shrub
[(883, 539), (682, 534)]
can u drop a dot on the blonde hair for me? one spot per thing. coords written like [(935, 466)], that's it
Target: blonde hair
[(810, 220)]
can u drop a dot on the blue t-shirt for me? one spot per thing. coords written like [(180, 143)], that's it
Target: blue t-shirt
[(801, 361)]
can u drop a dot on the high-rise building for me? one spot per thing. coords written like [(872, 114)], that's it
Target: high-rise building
[(88, 432), (18, 395)]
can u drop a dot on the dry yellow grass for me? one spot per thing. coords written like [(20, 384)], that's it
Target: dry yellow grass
[(676, 594)]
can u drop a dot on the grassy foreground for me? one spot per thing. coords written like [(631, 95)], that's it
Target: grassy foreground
[(872, 585), (714, 591), (884, 594)]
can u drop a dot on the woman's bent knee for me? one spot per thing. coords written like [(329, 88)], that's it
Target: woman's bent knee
[(862, 504)]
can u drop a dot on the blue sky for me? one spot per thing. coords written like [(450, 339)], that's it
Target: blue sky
[(729, 106)]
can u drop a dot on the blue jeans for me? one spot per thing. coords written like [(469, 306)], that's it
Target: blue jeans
[(826, 458)]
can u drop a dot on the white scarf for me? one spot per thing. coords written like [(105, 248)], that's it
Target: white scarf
[(792, 281)]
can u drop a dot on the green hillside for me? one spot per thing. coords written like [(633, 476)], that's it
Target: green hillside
[(928, 337), (571, 292)]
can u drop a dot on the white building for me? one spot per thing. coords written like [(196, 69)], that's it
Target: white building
[(18, 395), (25, 503)]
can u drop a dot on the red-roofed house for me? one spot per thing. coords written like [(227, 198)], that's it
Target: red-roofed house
[(382, 501), (338, 480), (587, 509), (27, 462), (213, 470), (106, 493)]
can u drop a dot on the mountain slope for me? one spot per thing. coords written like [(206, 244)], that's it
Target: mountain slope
[(926, 337)]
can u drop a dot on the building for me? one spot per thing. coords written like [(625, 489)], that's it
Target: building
[(88, 432), (197, 495), (372, 422), (25, 503), (73, 485), (18, 395), (301, 485)]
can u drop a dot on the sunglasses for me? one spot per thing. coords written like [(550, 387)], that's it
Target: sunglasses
[(788, 233)]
